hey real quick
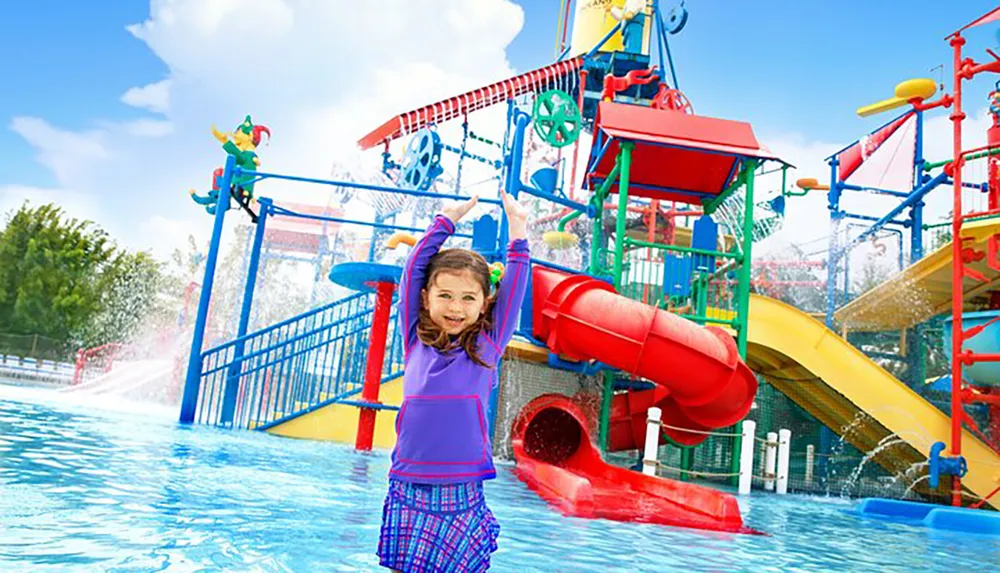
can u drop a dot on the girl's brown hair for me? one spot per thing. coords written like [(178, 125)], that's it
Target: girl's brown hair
[(458, 261)]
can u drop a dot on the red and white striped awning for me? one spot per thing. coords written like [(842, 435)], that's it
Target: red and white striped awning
[(301, 234), (442, 111)]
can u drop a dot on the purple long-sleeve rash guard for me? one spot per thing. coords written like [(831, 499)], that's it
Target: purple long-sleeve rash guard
[(441, 427)]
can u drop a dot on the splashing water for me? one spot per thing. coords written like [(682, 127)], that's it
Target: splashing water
[(914, 484), (907, 475), (884, 444), (730, 215)]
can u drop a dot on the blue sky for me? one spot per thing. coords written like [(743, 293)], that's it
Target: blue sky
[(70, 70), (788, 67)]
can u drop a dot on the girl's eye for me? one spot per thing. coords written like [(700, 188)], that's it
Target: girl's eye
[(470, 298), (445, 295)]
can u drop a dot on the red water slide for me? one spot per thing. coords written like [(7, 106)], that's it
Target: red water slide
[(556, 458), (701, 384)]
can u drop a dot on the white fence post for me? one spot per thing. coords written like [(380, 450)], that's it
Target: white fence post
[(770, 460), (784, 441), (810, 457), (652, 447), (746, 456)]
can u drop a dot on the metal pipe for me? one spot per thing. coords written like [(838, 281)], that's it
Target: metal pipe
[(860, 217), (553, 198), (354, 185), (914, 198), (876, 190), (278, 210)]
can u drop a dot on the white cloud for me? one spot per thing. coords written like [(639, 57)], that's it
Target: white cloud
[(68, 154), (149, 128), (74, 204), (318, 74), (155, 97), (162, 235)]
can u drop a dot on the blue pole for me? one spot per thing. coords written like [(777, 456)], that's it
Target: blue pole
[(917, 213), (235, 369), (554, 198), (656, 32), (833, 255), (915, 355), (832, 260), (189, 400), (666, 45), (512, 185)]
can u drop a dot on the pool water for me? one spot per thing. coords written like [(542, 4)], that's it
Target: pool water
[(89, 487)]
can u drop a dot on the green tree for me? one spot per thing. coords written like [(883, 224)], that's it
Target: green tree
[(65, 279)]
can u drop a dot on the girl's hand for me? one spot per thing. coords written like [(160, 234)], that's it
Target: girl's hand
[(455, 211), (517, 217)]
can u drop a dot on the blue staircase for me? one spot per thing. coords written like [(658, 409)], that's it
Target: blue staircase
[(292, 367)]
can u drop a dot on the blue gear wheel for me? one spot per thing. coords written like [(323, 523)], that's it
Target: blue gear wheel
[(676, 18), (422, 162)]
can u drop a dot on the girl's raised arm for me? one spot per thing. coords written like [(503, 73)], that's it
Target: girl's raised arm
[(514, 283), (415, 275), (511, 293), (415, 269)]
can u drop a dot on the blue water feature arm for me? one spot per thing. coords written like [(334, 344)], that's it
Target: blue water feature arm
[(944, 465)]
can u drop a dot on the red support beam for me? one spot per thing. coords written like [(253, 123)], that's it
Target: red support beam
[(957, 268), (373, 369)]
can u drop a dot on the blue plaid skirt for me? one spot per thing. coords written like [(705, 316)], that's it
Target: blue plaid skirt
[(437, 528)]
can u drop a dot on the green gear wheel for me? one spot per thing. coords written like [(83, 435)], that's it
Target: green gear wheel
[(557, 118)]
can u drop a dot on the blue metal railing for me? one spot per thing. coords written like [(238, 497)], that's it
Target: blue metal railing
[(291, 367)]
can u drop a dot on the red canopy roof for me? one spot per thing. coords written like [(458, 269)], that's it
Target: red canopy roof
[(300, 234), (677, 156)]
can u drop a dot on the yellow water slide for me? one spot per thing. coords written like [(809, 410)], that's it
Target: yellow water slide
[(923, 289), (843, 388)]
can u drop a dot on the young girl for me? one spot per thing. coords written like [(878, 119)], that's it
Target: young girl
[(435, 517)]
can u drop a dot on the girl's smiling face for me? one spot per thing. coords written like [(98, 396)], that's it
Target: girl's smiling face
[(454, 301)]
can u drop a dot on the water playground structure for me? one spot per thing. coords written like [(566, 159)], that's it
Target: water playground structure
[(661, 337)]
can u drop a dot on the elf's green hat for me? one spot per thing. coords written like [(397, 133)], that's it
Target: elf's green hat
[(247, 126)]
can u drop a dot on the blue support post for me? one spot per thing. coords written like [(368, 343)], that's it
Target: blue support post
[(375, 235), (512, 185), (657, 33), (832, 261), (665, 45), (916, 362), (235, 369), (833, 256), (189, 400), (917, 212)]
